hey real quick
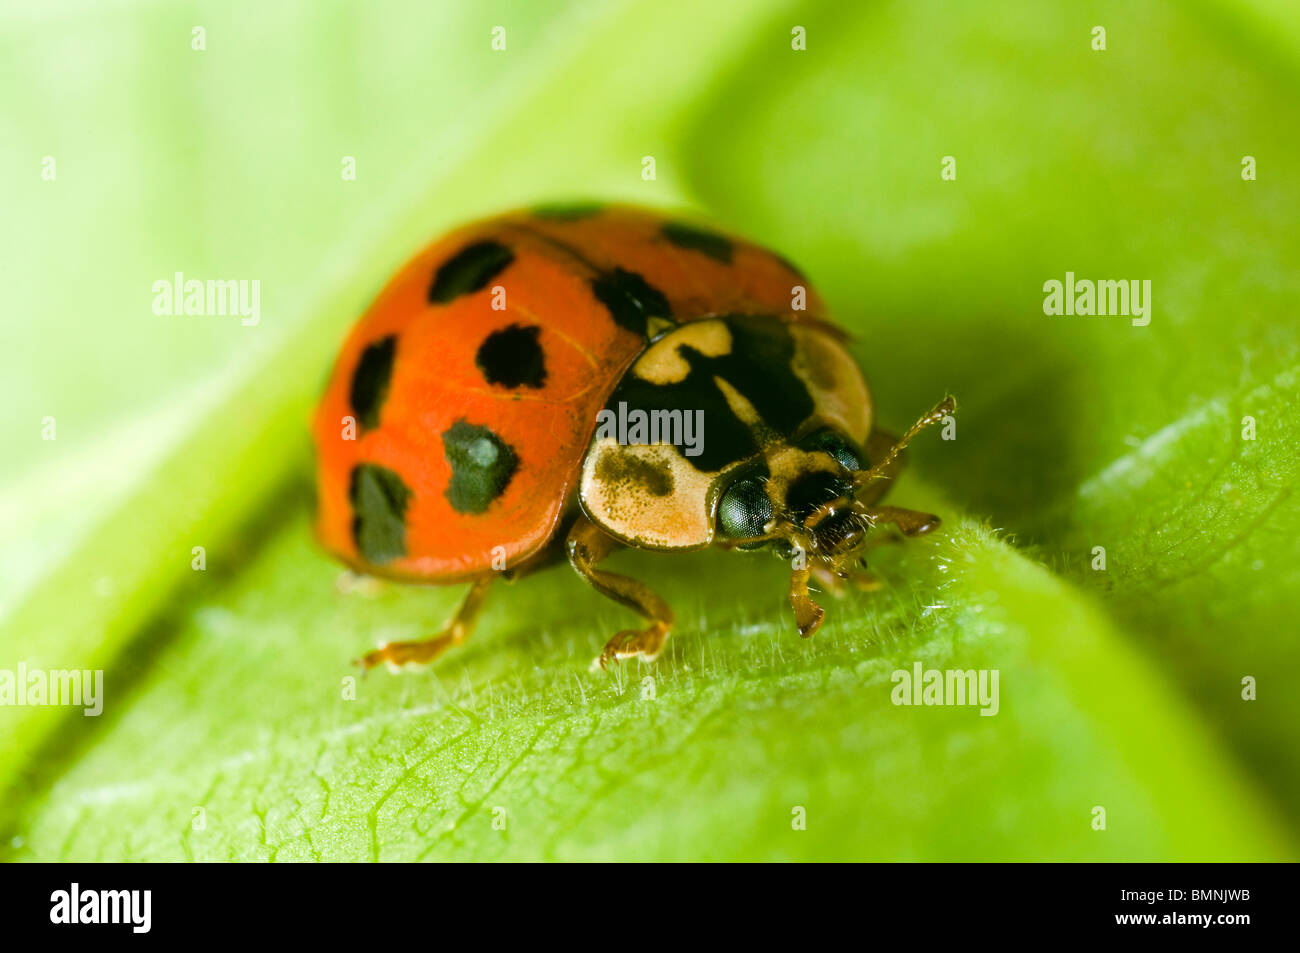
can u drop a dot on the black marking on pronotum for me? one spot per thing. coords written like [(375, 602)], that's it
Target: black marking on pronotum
[(481, 466), (512, 357), (468, 270), (624, 471), (758, 366), (370, 381), (630, 299), (697, 239), (567, 211), (379, 499)]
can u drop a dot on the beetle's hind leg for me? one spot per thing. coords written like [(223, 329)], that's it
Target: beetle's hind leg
[(588, 546), (397, 655)]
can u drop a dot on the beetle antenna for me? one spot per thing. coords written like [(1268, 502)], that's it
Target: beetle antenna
[(940, 410)]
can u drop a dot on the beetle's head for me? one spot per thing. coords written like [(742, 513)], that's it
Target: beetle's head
[(807, 497), (799, 498)]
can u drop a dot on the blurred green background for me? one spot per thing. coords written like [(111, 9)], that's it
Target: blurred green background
[(226, 733)]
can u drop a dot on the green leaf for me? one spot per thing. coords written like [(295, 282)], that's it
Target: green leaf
[(229, 731), (1081, 432)]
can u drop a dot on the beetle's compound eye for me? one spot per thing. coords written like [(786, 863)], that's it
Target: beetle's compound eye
[(828, 441), (744, 510)]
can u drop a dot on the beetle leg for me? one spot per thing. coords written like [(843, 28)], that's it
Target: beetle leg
[(423, 651), (909, 522), (588, 545), (837, 582), (807, 614), (829, 580)]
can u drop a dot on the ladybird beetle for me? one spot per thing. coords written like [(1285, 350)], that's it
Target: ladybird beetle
[(460, 436)]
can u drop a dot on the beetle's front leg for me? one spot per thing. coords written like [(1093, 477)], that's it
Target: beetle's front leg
[(807, 614), (588, 546)]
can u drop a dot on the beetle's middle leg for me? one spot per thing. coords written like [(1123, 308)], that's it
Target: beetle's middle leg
[(588, 545)]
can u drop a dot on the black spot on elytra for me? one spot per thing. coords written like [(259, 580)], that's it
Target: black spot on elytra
[(621, 469), (630, 299), (379, 499), (468, 270), (481, 466), (512, 357), (370, 381), (697, 239), (758, 366), (568, 211)]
